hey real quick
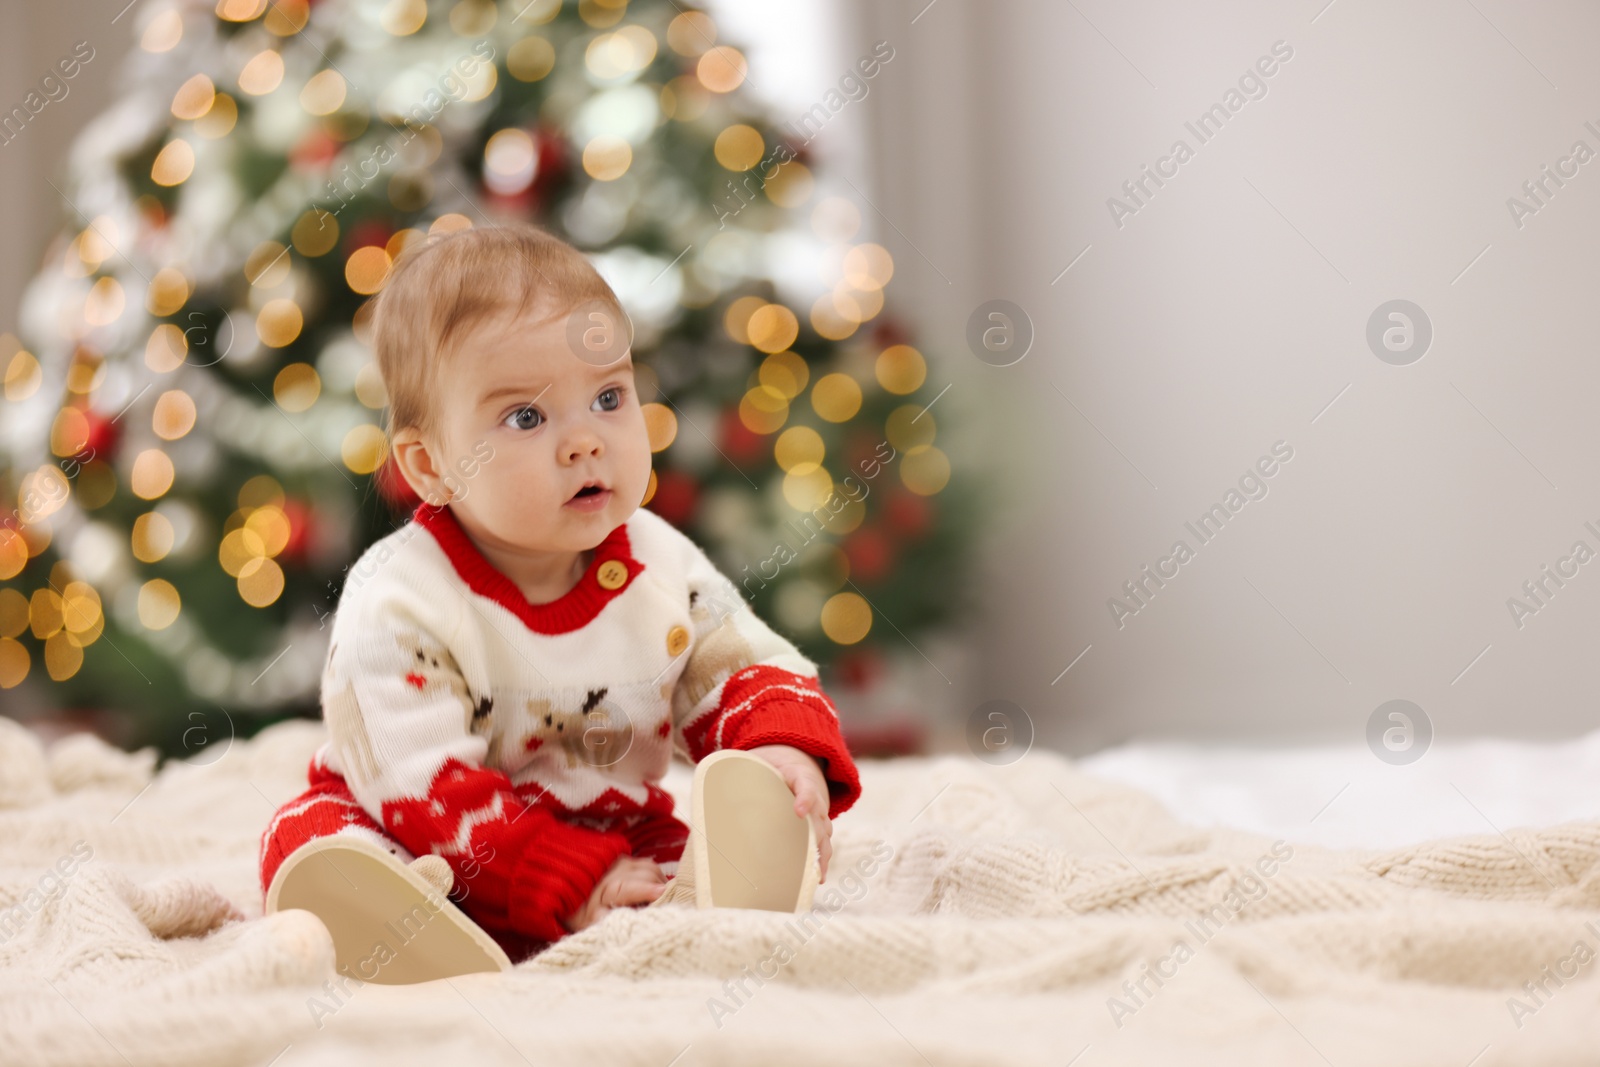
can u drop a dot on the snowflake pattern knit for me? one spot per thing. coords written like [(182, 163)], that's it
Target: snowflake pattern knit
[(525, 743)]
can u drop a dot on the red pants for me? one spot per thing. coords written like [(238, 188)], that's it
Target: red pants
[(328, 807)]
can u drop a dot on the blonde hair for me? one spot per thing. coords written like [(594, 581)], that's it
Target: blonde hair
[(451, 282)]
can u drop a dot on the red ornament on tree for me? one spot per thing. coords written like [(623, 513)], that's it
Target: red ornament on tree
[(908, 513), (314, 152), (738, 440), (299, 516), (102, 438), (551, 169), (889, 330), (869, 553), (367, 233), (858, 667), (676, 496)]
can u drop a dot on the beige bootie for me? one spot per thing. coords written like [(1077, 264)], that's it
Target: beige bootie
[(391, 922), (747, 848)]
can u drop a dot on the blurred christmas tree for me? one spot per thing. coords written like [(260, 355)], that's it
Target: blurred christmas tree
[(192, 415)]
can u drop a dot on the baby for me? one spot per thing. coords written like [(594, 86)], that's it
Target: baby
[(510, 672)]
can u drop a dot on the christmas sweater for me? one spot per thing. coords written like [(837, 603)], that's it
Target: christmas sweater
[(519, 741)]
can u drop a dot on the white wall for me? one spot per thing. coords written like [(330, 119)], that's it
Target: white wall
[(1226, 314), (33, 37)]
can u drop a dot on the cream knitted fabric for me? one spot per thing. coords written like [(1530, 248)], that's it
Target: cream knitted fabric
[(978, 914)]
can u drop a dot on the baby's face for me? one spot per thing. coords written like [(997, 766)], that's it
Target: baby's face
[(538, 424)]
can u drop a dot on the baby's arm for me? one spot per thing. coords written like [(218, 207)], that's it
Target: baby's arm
[(399, 714), (746, 687)]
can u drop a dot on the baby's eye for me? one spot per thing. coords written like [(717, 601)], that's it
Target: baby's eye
[(615, 393), (526, 418)]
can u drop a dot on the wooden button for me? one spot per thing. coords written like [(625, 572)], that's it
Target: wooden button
[(677, 640), (612, 574)]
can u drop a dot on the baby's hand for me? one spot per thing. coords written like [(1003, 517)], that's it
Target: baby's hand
[(629, 881), (803, 775)]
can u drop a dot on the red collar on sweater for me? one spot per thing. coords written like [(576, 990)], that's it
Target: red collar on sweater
[(571, 611)]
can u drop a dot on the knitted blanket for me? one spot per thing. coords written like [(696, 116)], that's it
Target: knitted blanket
[(1024, 914)]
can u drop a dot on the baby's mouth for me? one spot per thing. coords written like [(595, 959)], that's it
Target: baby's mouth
[(592, 489)]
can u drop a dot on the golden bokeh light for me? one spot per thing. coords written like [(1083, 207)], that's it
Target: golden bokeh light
[(105, 302), (14, 663), (174, 415), (826, 320), (262, 74), (193, 98), (773, 328), (402, 18), (925, 471), (323, 93), (152, 474), (23, 375), (315, 233), (261, 491), (799, 449), (159, 604), (661, 425), (691, 33), (737, 318), (369, 387), (900, 369), (763, 410), (857, 305), (279, 322), (167, 348), (909, 427), (721, 69), (285, 18), (367, 269), (791, 186), (237, 548), (69, 432), (240, 10), (168, 292), (163, 33), (13, 554), (611, 57), (261, 582), (449, 223), (13, 612), (297, 387), (152, 537), (267, 265), (836, 397), (364, 448), (44, 613), (784, 372), (271, 525), (219, 121), (807, 487), (173, 164), (649, 489), (868, 266), (531, 59), (607, 158), (739, 147), (846, 618), (62, 657)]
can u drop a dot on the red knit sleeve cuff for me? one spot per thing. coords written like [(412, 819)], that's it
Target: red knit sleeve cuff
[(812, 731), (558, 869)]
